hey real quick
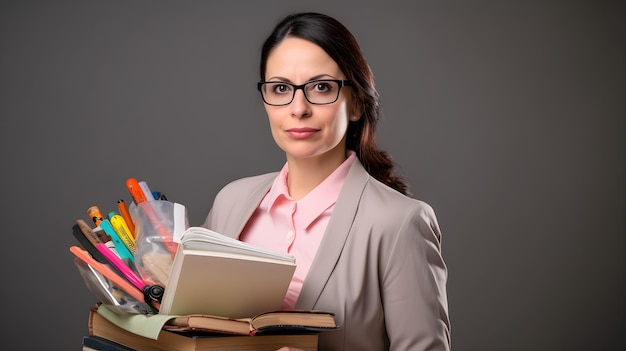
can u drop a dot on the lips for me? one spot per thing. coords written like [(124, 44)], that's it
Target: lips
[(301, 133)]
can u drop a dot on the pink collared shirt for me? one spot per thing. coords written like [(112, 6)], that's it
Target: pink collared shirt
[(283, 224)]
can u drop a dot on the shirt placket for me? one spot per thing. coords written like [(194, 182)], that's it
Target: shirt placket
[(290, 236)]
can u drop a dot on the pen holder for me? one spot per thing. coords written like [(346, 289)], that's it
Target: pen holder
[(158, 226), (109, 294)]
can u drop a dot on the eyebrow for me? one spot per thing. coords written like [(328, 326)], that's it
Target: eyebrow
[(317, 77)]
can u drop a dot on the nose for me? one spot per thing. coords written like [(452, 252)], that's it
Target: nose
[(300, 106)]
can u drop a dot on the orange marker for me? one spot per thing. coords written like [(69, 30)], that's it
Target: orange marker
[(135, 191), (94, 213), (138, 196), (121, 206)]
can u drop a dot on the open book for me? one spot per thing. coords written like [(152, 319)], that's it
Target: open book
[(283, 321), (171, 340), (216, 275)]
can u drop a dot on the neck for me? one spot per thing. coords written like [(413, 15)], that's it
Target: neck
[(306, 174)]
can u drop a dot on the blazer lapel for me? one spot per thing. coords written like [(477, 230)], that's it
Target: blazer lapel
[(335, 236), (254, 199)]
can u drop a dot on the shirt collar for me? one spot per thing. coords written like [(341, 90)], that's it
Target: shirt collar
[(319, 199)]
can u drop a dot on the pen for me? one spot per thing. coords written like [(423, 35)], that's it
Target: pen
[(159, 195), (152, 294), (119, 225), (146, 190), (121, 206), (121, 266)]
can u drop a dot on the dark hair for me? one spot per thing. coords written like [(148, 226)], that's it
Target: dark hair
[(339, 43)]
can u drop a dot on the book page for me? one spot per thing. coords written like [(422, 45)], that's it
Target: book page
[(198, 238)]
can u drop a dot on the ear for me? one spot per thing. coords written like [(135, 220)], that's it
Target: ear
[(355, 113)]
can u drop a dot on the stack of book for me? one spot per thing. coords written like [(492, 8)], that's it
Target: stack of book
[(267, 332), (216, 294)]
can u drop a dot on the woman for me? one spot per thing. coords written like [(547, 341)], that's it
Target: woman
[(365, 250)]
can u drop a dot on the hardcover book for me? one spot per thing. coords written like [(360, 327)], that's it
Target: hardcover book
[(197, 341), (217, 275), (97, 343), (284, 321)]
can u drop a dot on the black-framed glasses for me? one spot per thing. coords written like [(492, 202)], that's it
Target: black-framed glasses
[(317, 92)]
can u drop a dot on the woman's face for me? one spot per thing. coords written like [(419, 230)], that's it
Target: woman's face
[(301, 129)]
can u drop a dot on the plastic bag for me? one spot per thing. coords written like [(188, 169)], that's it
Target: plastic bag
[(158, 226), (108, 293)]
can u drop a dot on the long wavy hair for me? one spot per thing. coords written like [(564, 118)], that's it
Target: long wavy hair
[(339, 43)]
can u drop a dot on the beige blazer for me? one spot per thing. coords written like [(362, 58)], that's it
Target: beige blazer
[(378, 268)]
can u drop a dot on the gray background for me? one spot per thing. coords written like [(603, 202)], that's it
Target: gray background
[(506, 116)]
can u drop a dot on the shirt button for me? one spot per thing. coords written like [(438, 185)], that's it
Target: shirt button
[(290, 235)]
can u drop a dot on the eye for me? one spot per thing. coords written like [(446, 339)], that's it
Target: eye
[(279, 88), (322, 87)]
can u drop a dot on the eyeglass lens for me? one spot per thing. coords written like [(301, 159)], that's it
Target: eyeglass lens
[(316, 92)]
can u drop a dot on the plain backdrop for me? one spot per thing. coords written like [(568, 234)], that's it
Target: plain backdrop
[(506, 116)]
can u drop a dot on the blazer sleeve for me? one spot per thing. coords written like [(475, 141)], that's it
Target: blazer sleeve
[(414, 284)]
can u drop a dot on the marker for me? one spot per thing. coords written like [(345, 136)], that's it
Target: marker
[(121, 266), (121, 206), (135, 191), (120, 247), (120, 227), (95, 215), (138, 196)]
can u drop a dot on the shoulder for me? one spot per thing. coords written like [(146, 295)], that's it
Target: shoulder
[(380, 205), (247, 184), (236, 200), (393, 209), (244, 188), (380, 195)]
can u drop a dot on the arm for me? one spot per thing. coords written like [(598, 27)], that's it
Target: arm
[(414, 285)]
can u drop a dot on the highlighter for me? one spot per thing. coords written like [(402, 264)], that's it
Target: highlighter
[(135, 191), (120, 247), (121, 206), (139, 197), (121, 228), (95, 215)]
